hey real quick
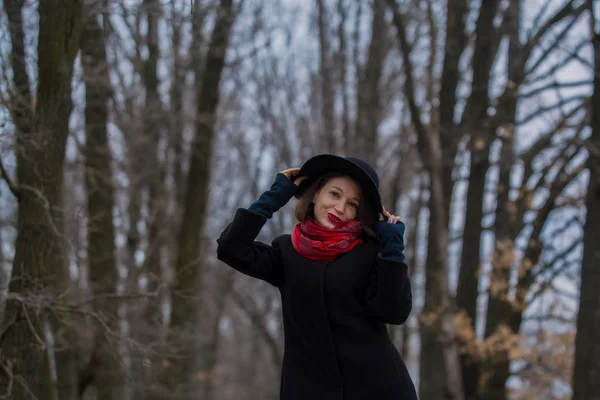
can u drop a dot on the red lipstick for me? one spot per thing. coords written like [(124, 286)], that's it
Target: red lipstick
[(333, 218)]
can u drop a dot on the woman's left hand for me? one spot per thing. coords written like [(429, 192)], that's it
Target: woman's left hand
[(391, 219)]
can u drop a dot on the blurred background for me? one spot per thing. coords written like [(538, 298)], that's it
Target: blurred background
[(131, 130)]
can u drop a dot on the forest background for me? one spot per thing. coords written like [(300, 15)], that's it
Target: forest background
[(130, 131)]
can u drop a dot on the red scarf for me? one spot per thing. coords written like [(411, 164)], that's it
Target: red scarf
[(317, 242)]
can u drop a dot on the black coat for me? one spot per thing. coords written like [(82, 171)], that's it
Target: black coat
[(337, 346)]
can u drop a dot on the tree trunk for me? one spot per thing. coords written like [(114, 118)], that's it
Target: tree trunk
[(504, 315), (586, 384), (351, 145), (456, 41), (179, 371), (481, 136), (501, 314), (440, 364), (342, 65), (209, 335), (4, 276), (327, 86), (368, 96), (416, 211), (499, 307), (40, 158), (21, 110), (155, 175), (105, 366)]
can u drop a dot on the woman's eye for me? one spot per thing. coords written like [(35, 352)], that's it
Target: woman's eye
[(335, 194), (354, 205)]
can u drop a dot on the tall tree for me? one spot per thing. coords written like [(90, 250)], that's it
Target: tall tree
[(476, 123), (438, 379), (179, 373), (369, 93), (505, 313), (326, 80), (40, 277), (586, 385), (105, 369)]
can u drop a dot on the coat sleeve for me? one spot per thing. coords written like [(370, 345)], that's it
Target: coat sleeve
[(238, 248), (389, 294)]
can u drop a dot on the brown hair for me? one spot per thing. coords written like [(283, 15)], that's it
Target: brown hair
[(305, 206)]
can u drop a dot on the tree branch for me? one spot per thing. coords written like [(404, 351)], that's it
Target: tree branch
[(406, 50), (21, 107), (11, 185), (566, 11), (569, 151), (554, 274), (573, 54), (533, 251), (551, 47), (543, 267), (256, 320), (543, 109), (543, 142), (561, 231), (486, 43), (554, 85)]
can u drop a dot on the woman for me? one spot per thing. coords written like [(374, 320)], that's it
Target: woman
[(341, 276)]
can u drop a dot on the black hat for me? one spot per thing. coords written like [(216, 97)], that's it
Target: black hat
[(355, 168)]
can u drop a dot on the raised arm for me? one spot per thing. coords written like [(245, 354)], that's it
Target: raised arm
[(237, 245)]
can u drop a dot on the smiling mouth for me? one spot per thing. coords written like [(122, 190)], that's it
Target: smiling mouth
[(333, 218)]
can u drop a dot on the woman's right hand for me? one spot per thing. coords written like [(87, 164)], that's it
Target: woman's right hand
[(291, 172)]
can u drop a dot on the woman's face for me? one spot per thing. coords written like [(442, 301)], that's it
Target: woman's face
[(337, 201)]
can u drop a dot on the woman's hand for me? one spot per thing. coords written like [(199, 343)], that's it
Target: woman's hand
[(391, 219), (291, 172)]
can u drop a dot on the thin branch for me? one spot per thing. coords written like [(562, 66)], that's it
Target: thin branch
[(32, 327), (543, 143), (569, 151), (533, 250), (555, 85), (566, 11), (543, 109), (548, 317), (562, 256), (9, 325), (562, 292), (574, 54), (256, 320), (551, 47), (561, 231), (15, 189), (7, 368), (538, 18), (406, 49), (549, 282)]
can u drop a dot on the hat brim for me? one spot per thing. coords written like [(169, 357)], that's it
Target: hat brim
[(325, 163)]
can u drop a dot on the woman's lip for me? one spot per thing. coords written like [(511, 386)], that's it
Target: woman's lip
[(333, 218)]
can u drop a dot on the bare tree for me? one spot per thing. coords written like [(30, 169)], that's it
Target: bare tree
[(587, 345), (326, 80), (503, 311), (483, 127), (178, 372), (39, 278), (475, 122), (370, 107), (105, 370), (439, 96), (438, 379)]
